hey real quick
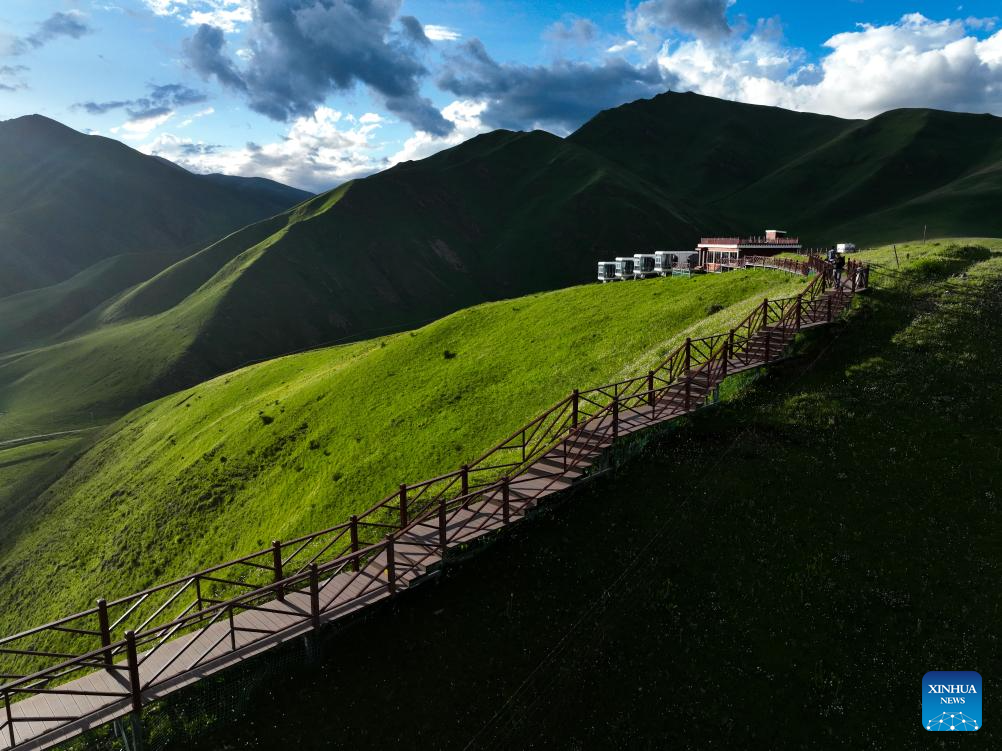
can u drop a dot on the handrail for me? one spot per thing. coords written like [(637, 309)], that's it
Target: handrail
[(198, 603)]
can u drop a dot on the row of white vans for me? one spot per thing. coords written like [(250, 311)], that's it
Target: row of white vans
[(643, 265)]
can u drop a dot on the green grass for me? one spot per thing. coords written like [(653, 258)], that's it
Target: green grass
[(774, 574), (301, 442)]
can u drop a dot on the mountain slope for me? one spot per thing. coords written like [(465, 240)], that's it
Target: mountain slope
[(292, 444), (882, 179), (68, 201)]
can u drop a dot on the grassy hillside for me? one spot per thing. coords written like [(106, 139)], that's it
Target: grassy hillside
[(69, 201), (303, 441), (773, 576), (502, 215)]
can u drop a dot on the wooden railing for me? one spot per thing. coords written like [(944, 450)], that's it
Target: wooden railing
[(123, 635)]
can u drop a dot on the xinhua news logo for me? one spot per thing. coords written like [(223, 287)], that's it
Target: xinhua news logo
[(951, 700)]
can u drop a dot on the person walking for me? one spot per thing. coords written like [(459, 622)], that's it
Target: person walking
[(839, 265)]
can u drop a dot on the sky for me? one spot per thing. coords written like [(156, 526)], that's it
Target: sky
[(316, 92)]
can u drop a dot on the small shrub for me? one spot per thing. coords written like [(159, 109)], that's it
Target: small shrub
[(448, 355), (714, 308)]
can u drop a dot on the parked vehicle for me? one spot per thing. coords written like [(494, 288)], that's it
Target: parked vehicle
[(625, 268), (643, 265), (845, 248), (663, 261), (606, 271)]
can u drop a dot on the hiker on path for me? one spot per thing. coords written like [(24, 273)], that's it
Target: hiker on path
[(839, 265)]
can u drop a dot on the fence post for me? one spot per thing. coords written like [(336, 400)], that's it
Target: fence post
[(233, 628), (443, 537), (688, 354), (650, 388), (391, 569), (315, 595), (800, 304), (615, 417), (765, 311), (506, 500), (575, 398), (133, 664), (276, 562), (353, 529), (465, 478), (403, 505), (10, 719), (198, 591), (852, 270), (105, 629)]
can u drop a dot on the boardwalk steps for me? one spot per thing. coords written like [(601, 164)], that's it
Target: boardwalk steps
[(217, 635)]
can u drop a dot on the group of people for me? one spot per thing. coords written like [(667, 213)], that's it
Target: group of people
[(837, 260)]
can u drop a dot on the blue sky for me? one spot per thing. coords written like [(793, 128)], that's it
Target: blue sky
[(315, 92)]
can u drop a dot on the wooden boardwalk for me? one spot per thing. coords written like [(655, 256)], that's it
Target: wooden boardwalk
[(90, 689)]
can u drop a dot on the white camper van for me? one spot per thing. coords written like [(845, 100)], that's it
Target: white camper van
[(625, 268), (845, 248), (643, 265), (606, 271), (662, 262)]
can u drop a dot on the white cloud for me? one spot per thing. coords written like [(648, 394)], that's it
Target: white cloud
[(621, 47), (464, 114), (915, 62), (202, 113), (317, 153), (139, 128), (441, 33), (227, 15)]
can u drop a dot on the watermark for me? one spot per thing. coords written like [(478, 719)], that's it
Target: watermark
[(951, 700)]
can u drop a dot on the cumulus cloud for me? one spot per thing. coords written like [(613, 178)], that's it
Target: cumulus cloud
[(701, 18), (558, 97), (317, 153), (228, 15), (303, 51), (72, 24), (914, 62), (465, 115)]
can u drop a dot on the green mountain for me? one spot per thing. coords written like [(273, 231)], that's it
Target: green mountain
[(69, 201), (881, 180), (286, 446)]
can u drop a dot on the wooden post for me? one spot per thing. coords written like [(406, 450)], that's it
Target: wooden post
[(354, 541), (506, 500), (276, 562), (391, 569), (132, 658), (443, 537), (575, 398), (615, 417), (765, 311), (315, 595), (233, 630), (198, 591), (852, 270), (464, 478), (10, 719), (688, 354), (650, 388), (403, 505), (105, 629)]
